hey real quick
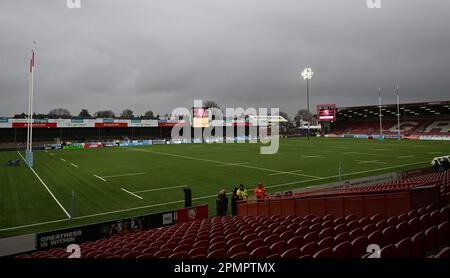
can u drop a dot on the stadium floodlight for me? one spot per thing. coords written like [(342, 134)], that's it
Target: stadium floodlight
[(307, 75), (29, 150), (398, 114)]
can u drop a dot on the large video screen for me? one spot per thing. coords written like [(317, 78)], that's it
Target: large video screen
[(200, 117), (326, 112)]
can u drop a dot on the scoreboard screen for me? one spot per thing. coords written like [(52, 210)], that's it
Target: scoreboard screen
[(200, 117), (326, 112)]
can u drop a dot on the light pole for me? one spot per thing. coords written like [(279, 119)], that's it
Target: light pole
[(307, 75), (398, 115)]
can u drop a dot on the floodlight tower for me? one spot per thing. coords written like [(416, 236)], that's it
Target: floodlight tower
[(398, 114), (307, 75), (29, 151)]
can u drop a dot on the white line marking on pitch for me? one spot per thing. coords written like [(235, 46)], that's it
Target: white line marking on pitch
[(62, 159), (74, 165), (434, 152), (100, 178), (232, 164), (382, 150), (349, 152), (369, 161), (46, 187), (405, 156), (125, 175), (52, 154), (273, 174), (206, 197), (220, 162), (159, 189), (312, 156), (131, 193)]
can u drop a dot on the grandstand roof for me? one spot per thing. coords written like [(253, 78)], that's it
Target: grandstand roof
[(417, 109)]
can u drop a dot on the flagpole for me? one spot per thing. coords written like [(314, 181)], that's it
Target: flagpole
[(379, 105), (398, 113)]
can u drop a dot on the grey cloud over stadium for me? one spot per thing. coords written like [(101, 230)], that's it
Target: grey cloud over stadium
[(158, 55)]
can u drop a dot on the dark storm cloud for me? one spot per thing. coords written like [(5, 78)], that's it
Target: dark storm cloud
[(158, 55)]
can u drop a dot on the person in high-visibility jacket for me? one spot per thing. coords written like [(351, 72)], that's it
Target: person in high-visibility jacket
[(242, 193), (260, 191)]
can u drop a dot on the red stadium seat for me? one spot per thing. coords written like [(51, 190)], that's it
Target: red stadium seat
[(431, 239), (131, 255), (444, 253), (217, 245), (179, 255), (163, 253), (353, 225), (308, 249), (326, 243), (389, 235), (181, 248), (402, 230), (271, 240), (326, 232), (364, 221), (291, 253), (343, 250), (414, 226), (356, 233), (443, 234), (260, 252), (340, 228), (382, 224), (376, 218), (287, 235), (236, 249), (311, 237), (264, 234), (341, 238), (217, 254), (198, 251), (278, 247), (404, 248), (252, 245), (418, 245), (324, 253), (295, 242), (375, 238), (242, 255), (425, 221), (388, 251), (368, 229)]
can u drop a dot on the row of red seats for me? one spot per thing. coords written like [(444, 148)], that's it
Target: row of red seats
[(416, 233)]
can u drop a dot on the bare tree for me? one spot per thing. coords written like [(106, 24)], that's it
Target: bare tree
[(210, 104), (148, 115), (59, 113), (127, 114), (84, 114), (302, 114), (105, 114)]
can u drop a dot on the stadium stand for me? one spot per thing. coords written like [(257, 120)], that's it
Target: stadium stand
[(408, 128), (420, 232)]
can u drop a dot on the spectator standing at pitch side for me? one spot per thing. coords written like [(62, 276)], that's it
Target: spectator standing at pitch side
[(260, 191), (222, 203), (234, 199), (242, 193)]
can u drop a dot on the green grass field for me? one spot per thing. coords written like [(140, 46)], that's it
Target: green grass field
[(155, 176)]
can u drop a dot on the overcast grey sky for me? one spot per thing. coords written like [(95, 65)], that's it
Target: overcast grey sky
[(161, 54)]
